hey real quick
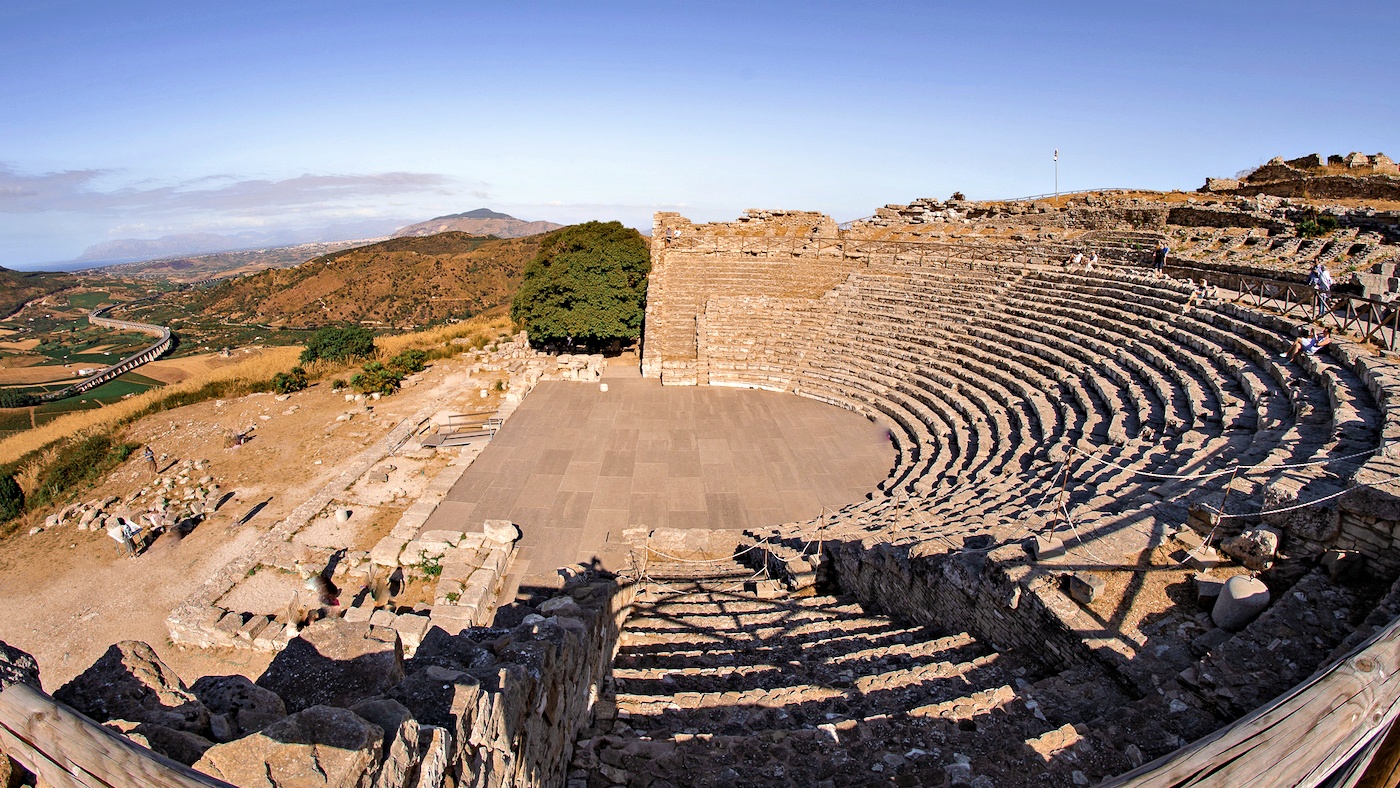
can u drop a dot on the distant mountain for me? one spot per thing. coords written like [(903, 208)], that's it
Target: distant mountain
[(482, 221), (401, 282), (183, 269), (131, 249)]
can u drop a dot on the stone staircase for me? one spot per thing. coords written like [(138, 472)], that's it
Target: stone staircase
[(714, 685)]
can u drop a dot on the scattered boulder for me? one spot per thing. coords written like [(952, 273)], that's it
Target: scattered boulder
[(181, 746), (1256, 548), (1241, 601), (1344, 566), (334, 663), (130, 682), (319, 747), (503, 531), (17, 667), (1085, 587), (401, 734), (250, 707)]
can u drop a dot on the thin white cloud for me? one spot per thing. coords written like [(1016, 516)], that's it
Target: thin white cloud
[(78, 191)]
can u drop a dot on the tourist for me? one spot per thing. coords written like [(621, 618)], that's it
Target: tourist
[(1075, 261), (150, 458), (1319, 340), (117, 531), (1320, 279), (1159, 258), (1093, 260)]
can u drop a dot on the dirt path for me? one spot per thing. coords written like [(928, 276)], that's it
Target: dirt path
[(66, 595)]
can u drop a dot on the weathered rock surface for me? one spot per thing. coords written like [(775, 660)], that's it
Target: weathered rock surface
[(17, 667), (181, 746), (244, 703), (320, 747), (130, 682), (400, 748), (334, 663), (1255, 548)]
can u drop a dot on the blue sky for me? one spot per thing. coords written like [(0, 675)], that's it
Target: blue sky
[(143, 119)]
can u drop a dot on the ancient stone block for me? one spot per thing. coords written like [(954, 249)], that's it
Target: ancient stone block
[(1208, 590), (386, 552), (400, 748), (319, 746), (1044, 549), (130, 682), (1084, 587), (411, 629), (1050, 744), (234, 696), (450, 538), (335, 663)]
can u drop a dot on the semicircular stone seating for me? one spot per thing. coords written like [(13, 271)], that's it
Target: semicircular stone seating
[(1033, 410)]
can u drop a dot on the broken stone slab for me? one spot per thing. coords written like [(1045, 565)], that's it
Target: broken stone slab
[(420, 549), (1208, 589), (1205, 559), (1084, 587), (130, 682), (382, 618), (450, 538), (386, 551), (560, 606), (452, 619), (336, 663), (1052, 743), (358, 615), (1255, 548), (1241, 601), (319, 746), (181, 746), (501, 531), (411, 628), (1044, 549)]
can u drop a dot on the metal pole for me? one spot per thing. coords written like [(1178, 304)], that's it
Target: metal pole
[(1057, 172)]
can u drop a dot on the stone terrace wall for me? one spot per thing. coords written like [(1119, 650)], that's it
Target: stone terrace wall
[(687, 271)]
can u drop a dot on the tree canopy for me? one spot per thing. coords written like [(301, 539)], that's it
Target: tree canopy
[(339, 344), (588, 282)]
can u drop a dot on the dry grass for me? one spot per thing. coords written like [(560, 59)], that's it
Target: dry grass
[(490, 326), (253, 370)]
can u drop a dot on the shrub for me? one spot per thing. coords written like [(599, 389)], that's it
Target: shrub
[(83, 462), (1316, 226), (409, 361), (339, 384), (9, 398), (11, 498), (287, 382), (588, 282), (338, 344), (377, 378)]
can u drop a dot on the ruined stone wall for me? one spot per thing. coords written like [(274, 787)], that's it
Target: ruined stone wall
[(694, 263)]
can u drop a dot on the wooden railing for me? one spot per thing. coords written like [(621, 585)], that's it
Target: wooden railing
[(1369, 319), (1322, 732), (64, 749)]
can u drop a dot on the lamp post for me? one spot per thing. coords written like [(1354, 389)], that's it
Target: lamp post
[(1057, 172)]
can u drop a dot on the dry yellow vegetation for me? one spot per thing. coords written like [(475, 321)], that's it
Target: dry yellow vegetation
[(258, 367)]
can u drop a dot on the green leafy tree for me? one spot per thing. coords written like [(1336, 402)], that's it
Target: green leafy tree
[(338, 344), (11, 498), (10, 398), (588, 282)]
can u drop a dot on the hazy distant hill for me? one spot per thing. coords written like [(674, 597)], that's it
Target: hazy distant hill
[(196, 268), (482, 221), (19, 287), (131, 249), (399, 282)]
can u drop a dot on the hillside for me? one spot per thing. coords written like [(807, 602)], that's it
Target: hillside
[(400, 282), (19, 287), (482, 221), (194, 268)]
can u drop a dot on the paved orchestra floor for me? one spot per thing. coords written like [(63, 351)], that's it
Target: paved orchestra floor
[(574, 466)]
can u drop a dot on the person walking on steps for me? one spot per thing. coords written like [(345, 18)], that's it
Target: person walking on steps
[(1159, 258)]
